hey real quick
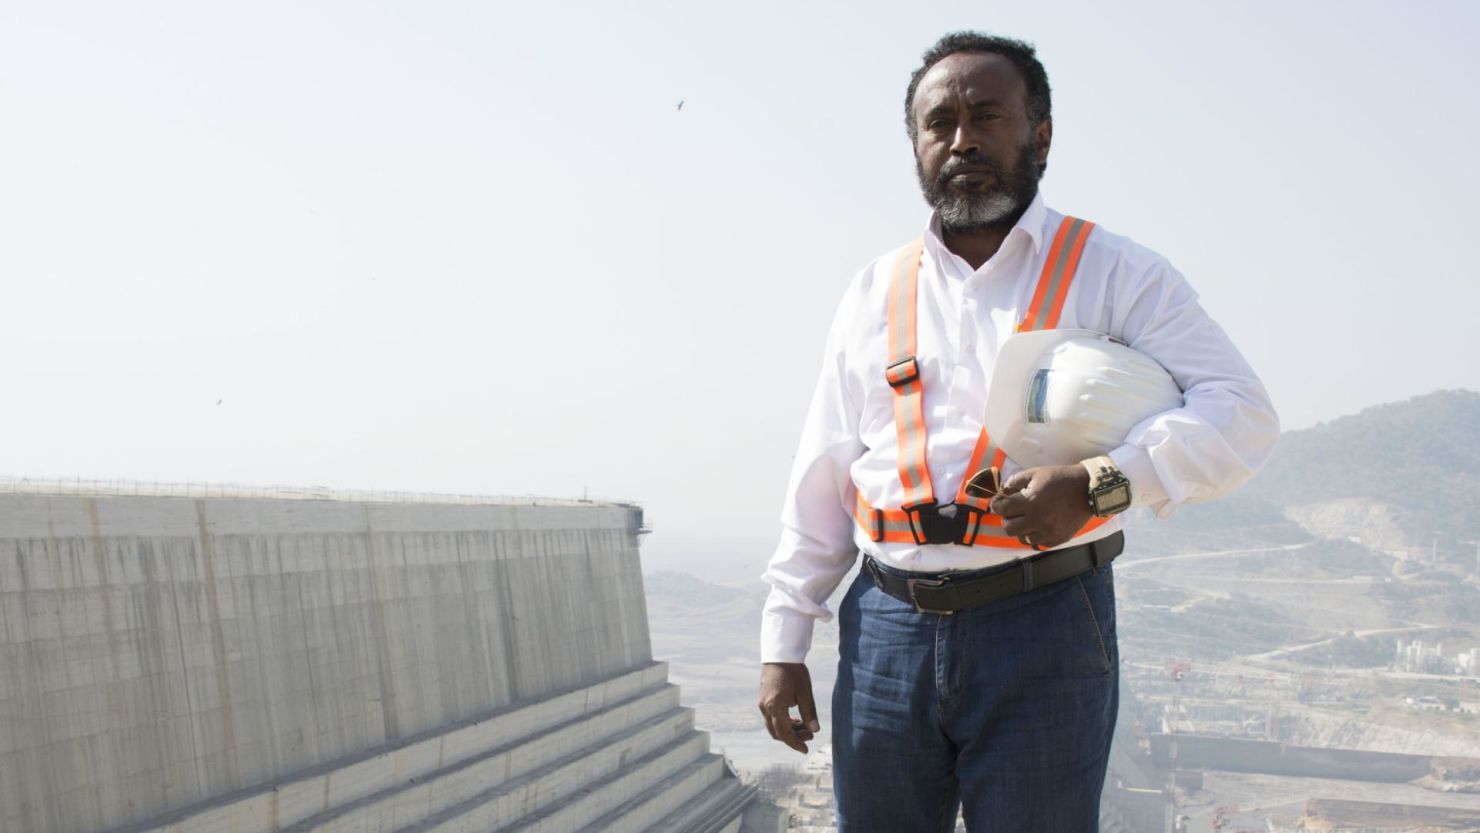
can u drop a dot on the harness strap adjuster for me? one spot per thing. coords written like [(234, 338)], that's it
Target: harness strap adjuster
[(902, 372)]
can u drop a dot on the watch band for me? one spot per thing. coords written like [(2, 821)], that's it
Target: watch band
[(1109, 489), (1097, 466)]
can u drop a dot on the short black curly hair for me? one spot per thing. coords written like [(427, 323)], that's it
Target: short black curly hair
[(1021, 54)]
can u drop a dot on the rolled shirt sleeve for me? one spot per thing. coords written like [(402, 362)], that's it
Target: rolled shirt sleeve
[(1226, 427)]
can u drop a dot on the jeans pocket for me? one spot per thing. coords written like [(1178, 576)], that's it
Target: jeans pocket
[(1096, 595)]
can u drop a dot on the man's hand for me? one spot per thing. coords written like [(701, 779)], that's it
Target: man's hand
[(784, 685), (1044, 506)]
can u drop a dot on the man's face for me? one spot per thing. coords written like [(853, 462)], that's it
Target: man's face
[(977, 153)]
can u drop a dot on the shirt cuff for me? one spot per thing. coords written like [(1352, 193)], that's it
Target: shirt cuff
[(786, 636), (1146, 490)]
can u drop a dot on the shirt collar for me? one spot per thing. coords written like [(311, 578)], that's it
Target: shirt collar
[(1031, 224)]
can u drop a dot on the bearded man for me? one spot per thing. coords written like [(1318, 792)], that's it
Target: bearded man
[(978, 670)]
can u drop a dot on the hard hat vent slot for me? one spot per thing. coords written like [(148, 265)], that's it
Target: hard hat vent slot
[(1037, 397)]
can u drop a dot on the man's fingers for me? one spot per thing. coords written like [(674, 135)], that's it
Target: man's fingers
[(1009, 506), (800, 729), (1018, 481), (1019, 525), (1012, 501), (766, 716), (784, 731), (808, 709)]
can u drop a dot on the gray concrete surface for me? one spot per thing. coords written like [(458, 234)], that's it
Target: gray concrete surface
[(160, 652)]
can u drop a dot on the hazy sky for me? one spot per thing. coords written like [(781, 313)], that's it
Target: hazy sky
[(475, 247)]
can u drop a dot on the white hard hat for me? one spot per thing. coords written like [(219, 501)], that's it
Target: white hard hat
[(1061, 396)]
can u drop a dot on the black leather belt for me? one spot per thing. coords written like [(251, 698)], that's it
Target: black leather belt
[(944, 593)]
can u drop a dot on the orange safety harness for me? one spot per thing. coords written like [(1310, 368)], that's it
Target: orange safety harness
[(967, 521)]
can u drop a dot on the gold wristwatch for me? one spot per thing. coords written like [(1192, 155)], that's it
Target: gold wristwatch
[(1109, 490)]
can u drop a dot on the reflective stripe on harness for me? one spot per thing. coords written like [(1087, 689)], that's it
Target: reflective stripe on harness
[(968, 520), (903, 375), (1058, 272)]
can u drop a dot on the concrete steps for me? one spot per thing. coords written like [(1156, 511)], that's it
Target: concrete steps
[(322, 792), (621, 756), (539, 761), (566, 781), (681, 789), (660, 781), (715, 810)]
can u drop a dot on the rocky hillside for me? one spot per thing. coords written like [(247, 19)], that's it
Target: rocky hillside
[(1400, 476)]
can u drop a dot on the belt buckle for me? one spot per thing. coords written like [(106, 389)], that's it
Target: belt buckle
[(915, 600)]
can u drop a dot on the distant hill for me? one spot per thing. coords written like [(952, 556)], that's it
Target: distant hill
[(1394, 475), (688, 591)]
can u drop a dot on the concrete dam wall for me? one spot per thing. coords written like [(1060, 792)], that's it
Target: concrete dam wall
[(260, 664)]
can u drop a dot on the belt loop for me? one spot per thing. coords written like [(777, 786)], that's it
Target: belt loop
[(1094, 554), (873, 571), (1027, 567)]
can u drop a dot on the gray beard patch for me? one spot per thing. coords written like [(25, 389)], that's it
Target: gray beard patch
[(968, 212)]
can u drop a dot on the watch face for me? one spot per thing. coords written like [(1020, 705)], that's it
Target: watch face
[(1115, 498)]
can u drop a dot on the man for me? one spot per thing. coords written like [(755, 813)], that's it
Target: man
[(978, 686)]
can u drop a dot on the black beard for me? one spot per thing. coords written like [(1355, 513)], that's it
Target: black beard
[(999, 206)]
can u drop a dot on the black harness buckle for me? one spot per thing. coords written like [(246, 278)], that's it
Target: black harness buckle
[(950, 523)]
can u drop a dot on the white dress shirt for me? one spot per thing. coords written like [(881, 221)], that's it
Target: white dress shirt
[(1223, 433)]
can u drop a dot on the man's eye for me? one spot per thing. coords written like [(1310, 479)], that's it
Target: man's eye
[(936, 124), (988, 117)]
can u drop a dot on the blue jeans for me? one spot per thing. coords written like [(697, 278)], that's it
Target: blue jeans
[(1004, 711)]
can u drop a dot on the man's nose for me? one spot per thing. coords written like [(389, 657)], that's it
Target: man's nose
[(965, 140)]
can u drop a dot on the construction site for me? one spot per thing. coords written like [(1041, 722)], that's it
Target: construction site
[(1270, 728), (1296, 658)]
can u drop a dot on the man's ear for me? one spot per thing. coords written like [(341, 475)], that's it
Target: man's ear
[(1042, 141)]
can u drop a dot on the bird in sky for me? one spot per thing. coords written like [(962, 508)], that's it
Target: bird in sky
[(218, 402), (680, 104)]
